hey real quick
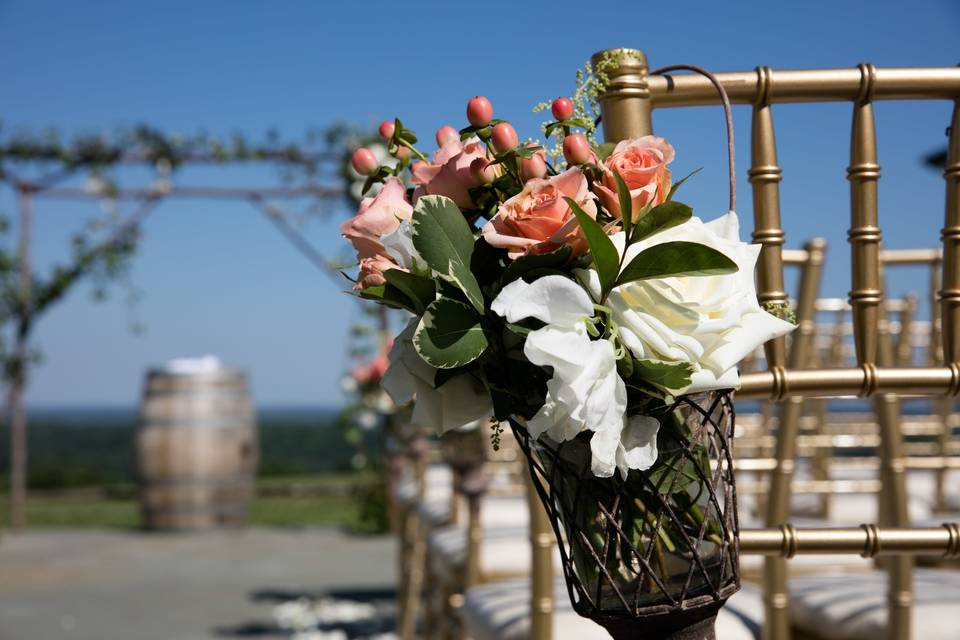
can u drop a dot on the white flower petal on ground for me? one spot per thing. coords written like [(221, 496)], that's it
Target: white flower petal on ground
[(460, 402)]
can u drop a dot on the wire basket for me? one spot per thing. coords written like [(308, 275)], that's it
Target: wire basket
[(655, 552)]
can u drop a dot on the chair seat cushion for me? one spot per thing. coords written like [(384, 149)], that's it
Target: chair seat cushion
[(501, 611), (438, 484), (854, 607), (505, 551)]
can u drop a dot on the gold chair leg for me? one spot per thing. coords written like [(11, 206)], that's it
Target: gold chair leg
[(777, 617), (416, 559)]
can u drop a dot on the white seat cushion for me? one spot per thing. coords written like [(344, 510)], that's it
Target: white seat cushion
[(506, 544), (501, 611), (855, 607), (504, 551), (438, 484)]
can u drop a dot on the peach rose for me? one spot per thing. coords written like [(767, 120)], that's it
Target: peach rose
[(371, 271), (377, 217), (538, 219), (642, 163), (448, 174)]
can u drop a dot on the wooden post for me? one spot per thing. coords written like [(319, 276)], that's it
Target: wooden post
[(15, 400)]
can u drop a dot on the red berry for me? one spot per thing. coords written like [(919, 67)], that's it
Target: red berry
[(401, 152), (504, 137), (562, 108), (445, 134), (364, 161), (386, 129), (482, 172), (576, 149), (479, 111), (533, 167)]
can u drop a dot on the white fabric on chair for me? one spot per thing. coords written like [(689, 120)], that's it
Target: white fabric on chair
[(855, 607), (504, 550), (506, 539), (438, 483), (501, 611)]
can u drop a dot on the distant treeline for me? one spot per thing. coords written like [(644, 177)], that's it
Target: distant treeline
[(95, 448)]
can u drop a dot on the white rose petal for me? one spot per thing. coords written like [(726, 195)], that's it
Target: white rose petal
[(712, 322)]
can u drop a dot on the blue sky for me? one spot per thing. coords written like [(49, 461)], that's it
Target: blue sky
[(216, 278)]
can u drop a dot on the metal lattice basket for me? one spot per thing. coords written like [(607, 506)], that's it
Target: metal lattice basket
[(658, 547)]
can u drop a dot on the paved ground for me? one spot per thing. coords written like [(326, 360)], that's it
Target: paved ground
[(129, 585)]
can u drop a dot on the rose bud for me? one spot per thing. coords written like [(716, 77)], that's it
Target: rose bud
[(479, 111), (386, 129), (504, 137), (445, 134), (482, 172), (364, 161), (533, 167), (576, 149), (562, 108), (401, 152)]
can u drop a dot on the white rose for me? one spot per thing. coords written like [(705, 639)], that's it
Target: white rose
[(712, 322), (461, 402), (585, 391)]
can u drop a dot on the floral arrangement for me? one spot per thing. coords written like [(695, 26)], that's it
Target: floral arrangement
[(574, 293)]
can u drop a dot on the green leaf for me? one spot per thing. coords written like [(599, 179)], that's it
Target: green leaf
[(661, 218), (604, 150), (389, 295), (626, 203), (604, 253), (676, 259), (527, 263), (443, 238), (449, 334), (669, 375), (676, 185), (419, 289)]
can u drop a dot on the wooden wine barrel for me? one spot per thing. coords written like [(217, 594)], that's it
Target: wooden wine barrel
[(197, 450)]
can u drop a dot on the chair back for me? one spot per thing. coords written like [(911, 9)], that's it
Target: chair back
[(632, 95)]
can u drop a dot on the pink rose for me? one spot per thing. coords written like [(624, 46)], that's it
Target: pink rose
[(538, 219), (642, 163), (371, 271), (371, 372), (448, 174), (376, 217)]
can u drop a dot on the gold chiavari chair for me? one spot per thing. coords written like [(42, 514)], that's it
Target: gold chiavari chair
[(632, 95), (424, 499), (489, 542)]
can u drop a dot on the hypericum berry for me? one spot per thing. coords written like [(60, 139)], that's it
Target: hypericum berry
[(533, 167), (479, 111), (576, 149), (482, 172), (401, 152), (562, 108), (504, 137), (364, 161), (445, 134), (386, 129)]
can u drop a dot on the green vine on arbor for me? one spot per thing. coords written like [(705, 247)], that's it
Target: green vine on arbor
[(34, 165)]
